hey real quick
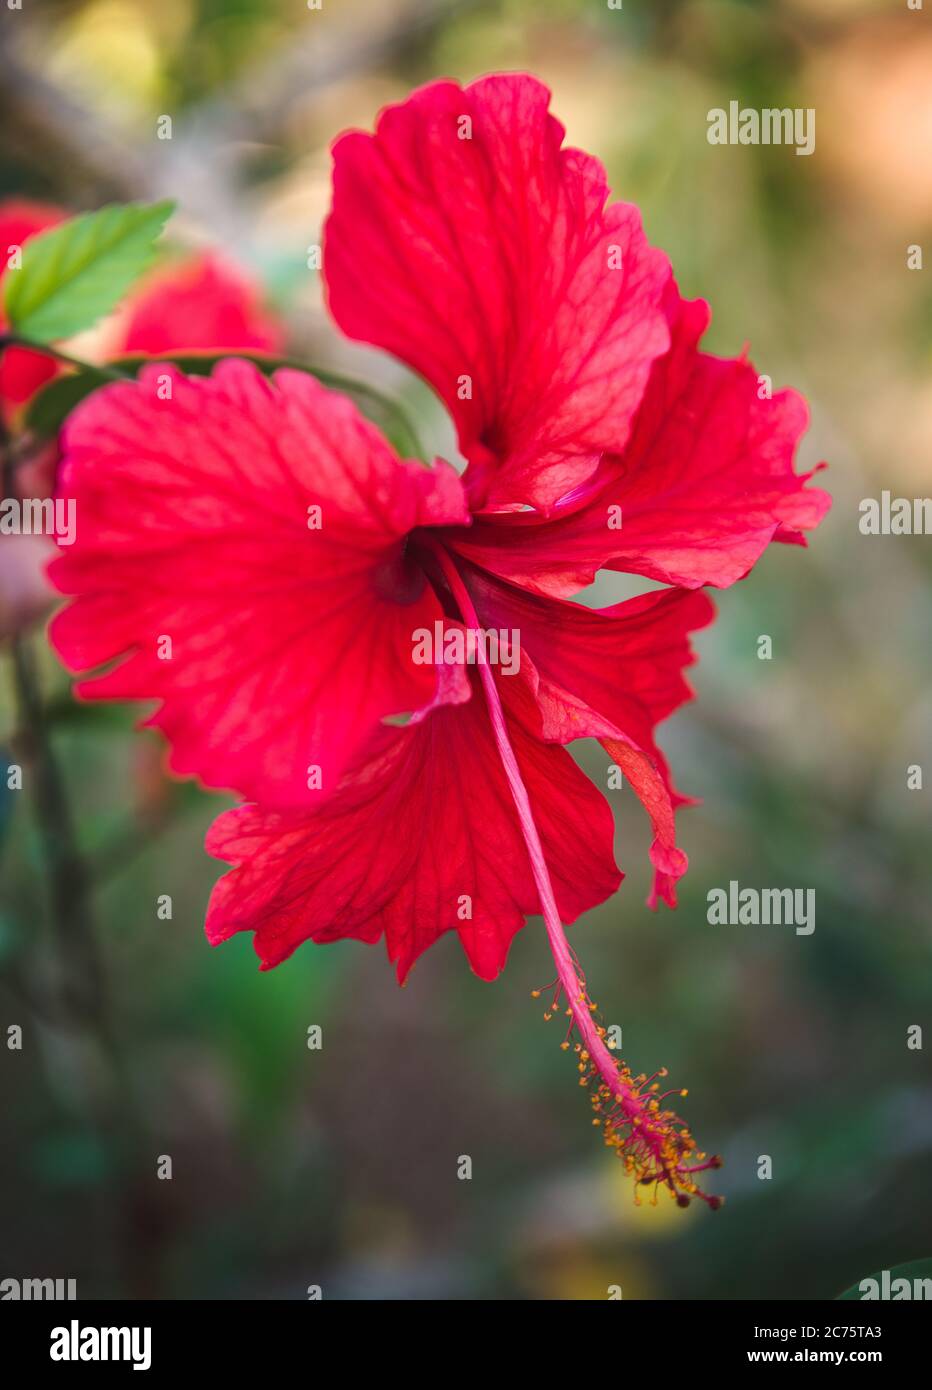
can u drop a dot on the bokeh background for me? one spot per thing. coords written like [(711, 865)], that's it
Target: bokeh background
[(337, 1167)]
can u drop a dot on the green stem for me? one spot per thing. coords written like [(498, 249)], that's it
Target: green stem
[(82, 983), (390, 408), (392, 411), (100, 368)]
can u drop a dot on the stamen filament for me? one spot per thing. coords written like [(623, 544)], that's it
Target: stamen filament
[(657, 1144)]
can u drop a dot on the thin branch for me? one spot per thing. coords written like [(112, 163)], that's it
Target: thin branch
[(82, 984)]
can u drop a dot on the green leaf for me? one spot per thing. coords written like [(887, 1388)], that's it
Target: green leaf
[(886, 1286), (75, 273), (48, 409)]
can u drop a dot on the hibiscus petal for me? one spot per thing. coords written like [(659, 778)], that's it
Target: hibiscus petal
[(200, 305), (705, 484), (422, 833), (288, 643), (465, 241), (611, 674)]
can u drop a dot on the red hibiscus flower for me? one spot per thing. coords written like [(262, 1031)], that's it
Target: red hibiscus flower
[(202, 304), (253, 555)]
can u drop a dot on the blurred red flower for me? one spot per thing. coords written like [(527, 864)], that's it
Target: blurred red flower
[(199, 304)]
